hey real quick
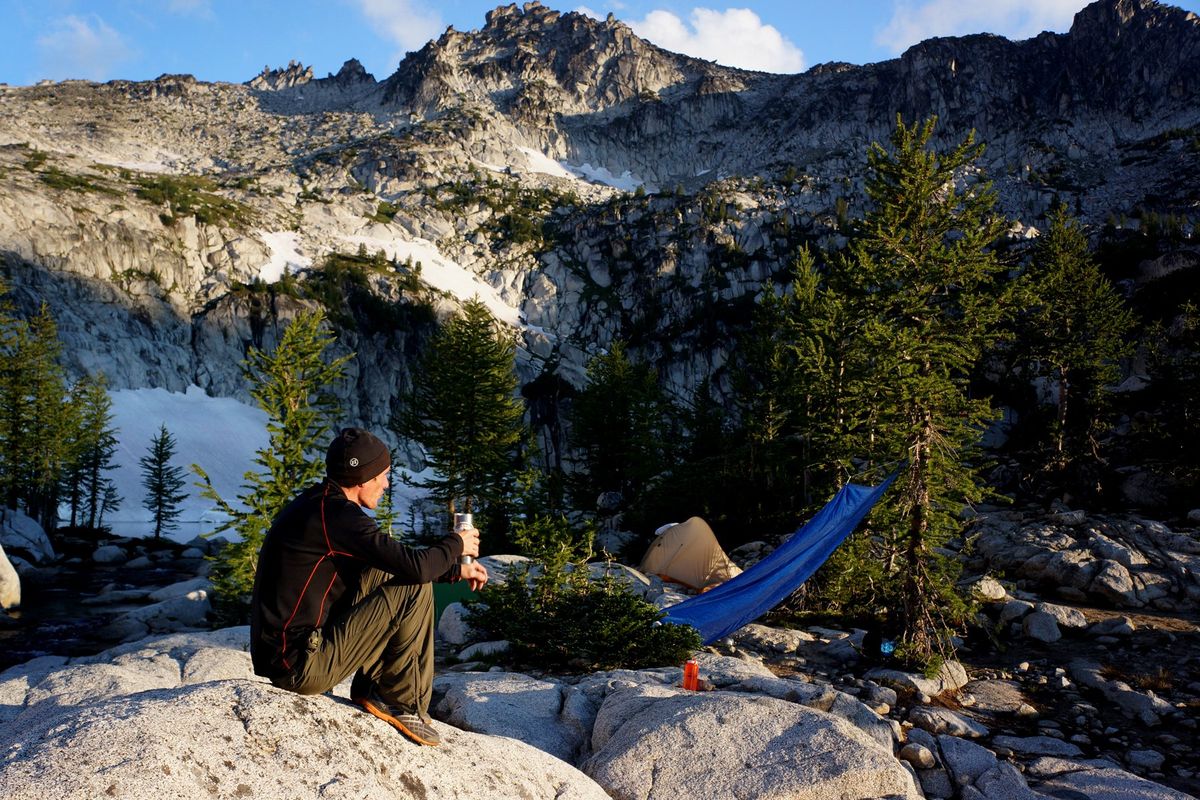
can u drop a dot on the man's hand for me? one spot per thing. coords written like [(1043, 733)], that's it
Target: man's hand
[(475, 574), (470, 537)]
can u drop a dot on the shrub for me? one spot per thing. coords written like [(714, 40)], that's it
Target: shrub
[(557, 619)]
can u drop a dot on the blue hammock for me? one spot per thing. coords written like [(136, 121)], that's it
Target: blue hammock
[(743, 599)]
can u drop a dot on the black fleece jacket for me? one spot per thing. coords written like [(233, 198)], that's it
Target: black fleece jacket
[(310, 565)]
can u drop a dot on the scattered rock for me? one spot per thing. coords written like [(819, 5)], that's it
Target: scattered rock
[(942, 720), (650, 750), (483, 649), (1113, 626), (965, 760), (987, 589), (951, 677), (1037, 746), (1041, 626), (1145, 760), (1067, 618), (918, 755), (511, 704), (774, 640), (108, 554), (1095, 780), (1015, 610)]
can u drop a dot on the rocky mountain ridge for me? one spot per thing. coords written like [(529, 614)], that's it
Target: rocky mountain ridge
[(587, 184)]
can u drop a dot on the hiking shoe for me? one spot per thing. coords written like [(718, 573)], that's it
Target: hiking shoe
[(411, 725), (360, 688)]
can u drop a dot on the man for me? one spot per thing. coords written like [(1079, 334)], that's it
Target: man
[(335, 595)]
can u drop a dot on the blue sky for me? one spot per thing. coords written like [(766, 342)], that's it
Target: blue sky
[(232, 41)]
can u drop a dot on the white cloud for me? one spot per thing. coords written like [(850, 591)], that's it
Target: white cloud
[(407, 23), (736, 37), (1015, 19), (76, 47)]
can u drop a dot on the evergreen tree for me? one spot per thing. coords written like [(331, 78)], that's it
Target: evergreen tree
[(162, 481), (922, 277), (1076, 331), (36, 420), (619, 422), (94, 449), (465, 412), (292, 385)]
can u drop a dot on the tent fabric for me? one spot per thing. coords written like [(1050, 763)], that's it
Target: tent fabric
[(689, 553), (760, 588)]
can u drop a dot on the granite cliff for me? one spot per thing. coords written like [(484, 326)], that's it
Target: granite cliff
[(586, 184)]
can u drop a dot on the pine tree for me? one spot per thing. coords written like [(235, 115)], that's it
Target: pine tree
[(922, 277), (162, 481), (292, 385), (1076, 331), (618, 423), (465, 412), (96, 446), (35, 418)]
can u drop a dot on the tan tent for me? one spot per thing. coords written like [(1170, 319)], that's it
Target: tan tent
[(688, 553)]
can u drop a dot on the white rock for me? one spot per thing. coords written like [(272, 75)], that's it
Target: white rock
[(183, 612), (1015, 610), (513, 705), (765, 748), (1095, 780), (1113, 626), (453, 627), (240, 736), (965, 760), (1037, 746), (951, 676), (1114, 583), (1147, 760), (918, 755), (1003, 782), (108, 554), (825, 698), (481, 649), (938, 720), (1066, 617), (10, 583), (1041, 626), (181, 589), (776, 640), (21, 534), (989, 589), (498, 567)]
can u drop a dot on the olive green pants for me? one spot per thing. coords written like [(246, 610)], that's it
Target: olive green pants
[(385, 638)]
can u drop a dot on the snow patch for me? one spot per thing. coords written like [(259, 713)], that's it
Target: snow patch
[(626, 181), (220, 434), (443, 274), (540, 162), (285, 255)]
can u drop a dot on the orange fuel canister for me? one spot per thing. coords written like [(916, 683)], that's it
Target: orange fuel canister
[(691, 675)]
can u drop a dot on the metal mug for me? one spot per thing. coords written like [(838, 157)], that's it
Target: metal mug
[(462, 522)]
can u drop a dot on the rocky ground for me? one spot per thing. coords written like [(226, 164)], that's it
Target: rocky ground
[(1055, 698)]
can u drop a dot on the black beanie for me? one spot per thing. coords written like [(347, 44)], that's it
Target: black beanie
[(355, 456)]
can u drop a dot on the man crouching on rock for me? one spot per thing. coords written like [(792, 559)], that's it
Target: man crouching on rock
[(335, 595)]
